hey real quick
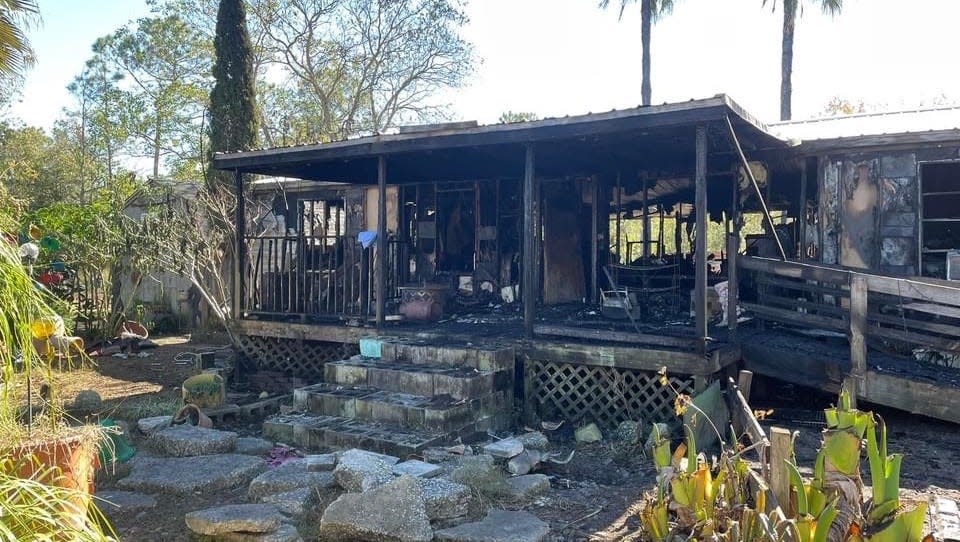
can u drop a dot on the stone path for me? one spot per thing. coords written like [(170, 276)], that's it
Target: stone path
[(372, 496)]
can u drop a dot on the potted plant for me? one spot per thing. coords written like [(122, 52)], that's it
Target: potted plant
[(48, 465)]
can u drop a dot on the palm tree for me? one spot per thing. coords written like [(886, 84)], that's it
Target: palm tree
[(650, 12), (790, 7), (15, 52)]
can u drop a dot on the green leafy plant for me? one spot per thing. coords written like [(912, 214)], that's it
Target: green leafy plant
[(886, 519), (25, 323)]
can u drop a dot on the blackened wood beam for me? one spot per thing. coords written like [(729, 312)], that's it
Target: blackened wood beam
[(383, 245), (529, 289), (240, 251), (700, 252), (756, 187)]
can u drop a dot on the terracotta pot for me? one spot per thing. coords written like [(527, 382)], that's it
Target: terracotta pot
[(74, 461), (191, 414)]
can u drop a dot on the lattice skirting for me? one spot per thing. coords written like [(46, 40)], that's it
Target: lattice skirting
[(605, 395), (300, 358)]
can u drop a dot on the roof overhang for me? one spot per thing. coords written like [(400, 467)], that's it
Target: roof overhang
[(454, 151)]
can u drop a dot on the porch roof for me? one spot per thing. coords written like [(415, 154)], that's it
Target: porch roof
[(650, 138)]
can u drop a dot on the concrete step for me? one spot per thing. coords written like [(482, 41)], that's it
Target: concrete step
[(423, 353), (417, 379), (314, 432), (432, 413)]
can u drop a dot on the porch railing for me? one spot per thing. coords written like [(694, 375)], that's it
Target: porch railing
[(313, 278), (900, 314)]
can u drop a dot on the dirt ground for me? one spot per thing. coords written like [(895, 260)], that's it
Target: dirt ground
[(596, 496)]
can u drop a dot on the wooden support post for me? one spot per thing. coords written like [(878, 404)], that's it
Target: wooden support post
[(529, 244), (646, 222), (619, 193), (802, 212), (383, 244), (240, 252), (781, 446), (595, 238), (745, 383), (733, 285), (858, 344), (700, 254), (733, 255)]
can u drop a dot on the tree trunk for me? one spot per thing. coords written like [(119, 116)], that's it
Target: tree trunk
[(786, 62), (646, 23), (156, 149)]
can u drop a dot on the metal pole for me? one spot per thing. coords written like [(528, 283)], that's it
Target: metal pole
[(756, 187)]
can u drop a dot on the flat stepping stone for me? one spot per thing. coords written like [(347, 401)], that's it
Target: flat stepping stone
[(286, 533), (287, 477), (187, 440), (359, 470), (186, 475), (321, 462), (444, 499), (292, 503), (245, 518), (253, 446), (393, 512), (148, 426), (528, 485), (123, 501), (498, 526), (505, 448), (415, 467)]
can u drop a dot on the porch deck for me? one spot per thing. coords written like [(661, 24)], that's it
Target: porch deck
[(827, 327)]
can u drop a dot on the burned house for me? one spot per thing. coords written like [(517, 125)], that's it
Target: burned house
[(566, 261)]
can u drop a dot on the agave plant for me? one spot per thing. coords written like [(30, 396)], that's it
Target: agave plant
[(842, 437), (886, 519), (815, 513)]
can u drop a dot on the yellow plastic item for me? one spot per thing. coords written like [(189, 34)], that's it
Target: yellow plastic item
[(43, 329)]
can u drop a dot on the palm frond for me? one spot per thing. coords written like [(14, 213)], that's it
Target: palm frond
[(15, 51)]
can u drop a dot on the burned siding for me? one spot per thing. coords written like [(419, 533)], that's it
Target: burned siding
[(868, 210)]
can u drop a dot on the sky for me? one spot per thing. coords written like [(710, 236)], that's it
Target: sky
[(559, 57)]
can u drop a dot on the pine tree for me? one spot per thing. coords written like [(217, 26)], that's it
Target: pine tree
[(232, 101)]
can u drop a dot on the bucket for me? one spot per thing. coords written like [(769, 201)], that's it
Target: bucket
[(370, 348), (424, 310)]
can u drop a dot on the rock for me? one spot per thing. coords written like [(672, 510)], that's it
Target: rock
[(415, 467), (477, 470), (253, 446), (321, 462), (292, 503), (88, 401), (358, 470), (246, 518), (534, 440), (445, 499), (588, 433), (528, 485), (525, 462), (185, 475), (187, 440), (287, 477), (148, 426), (117, 501), (505, 448), (286, 533), (393, 512), (628, 431), (498, 526)]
